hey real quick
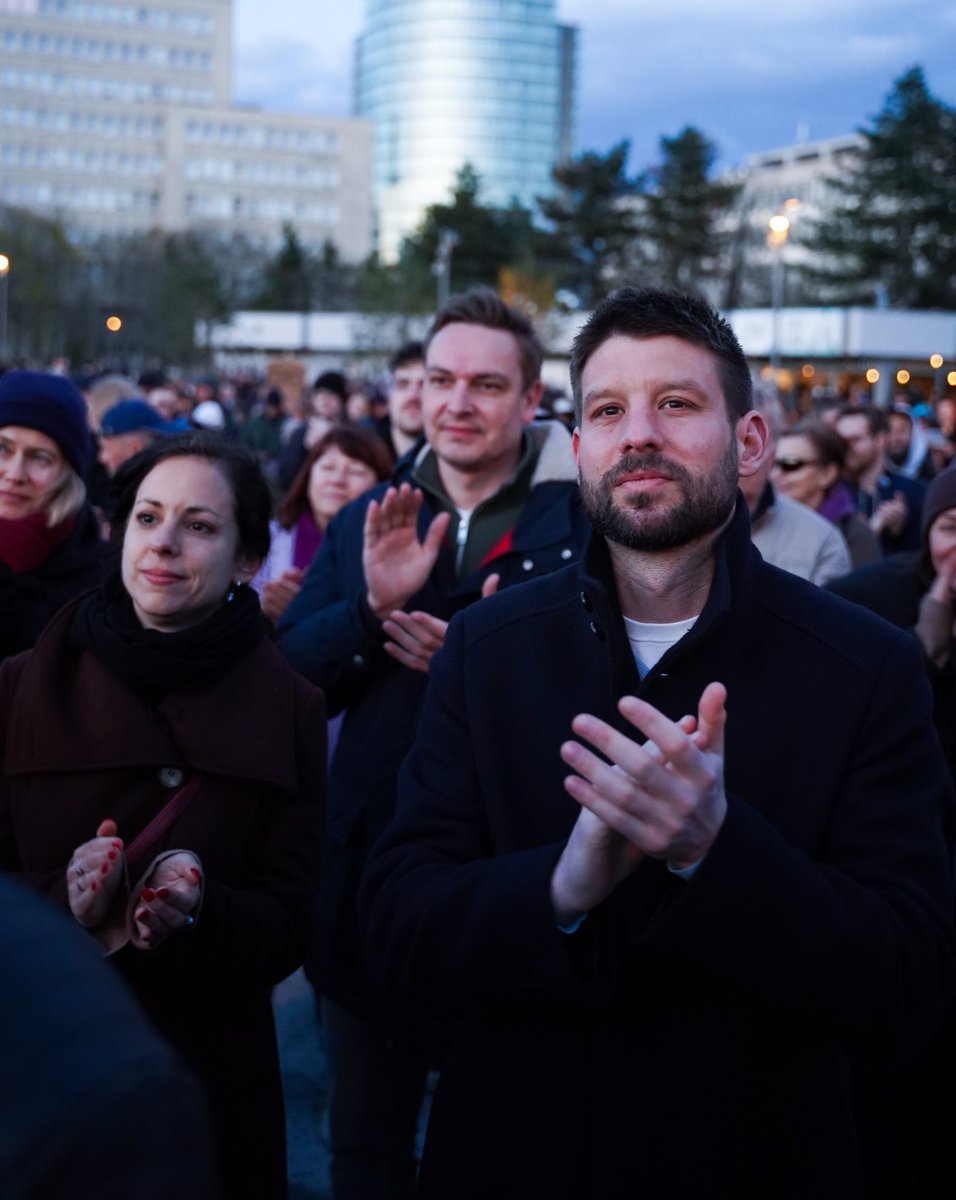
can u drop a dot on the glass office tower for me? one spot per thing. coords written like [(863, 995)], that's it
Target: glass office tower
[(445, 82)]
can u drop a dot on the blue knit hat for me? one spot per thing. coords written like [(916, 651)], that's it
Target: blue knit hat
[(52, 405)]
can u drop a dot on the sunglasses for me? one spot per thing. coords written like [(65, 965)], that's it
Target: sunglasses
[(794, 464)]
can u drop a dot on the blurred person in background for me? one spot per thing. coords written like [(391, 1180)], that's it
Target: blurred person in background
[(125, 429), (888, 500), (346, 462), (402, 427), (807, 465), (325, 407), (907, 450), (916, 590), (50, 545), (787, 534)]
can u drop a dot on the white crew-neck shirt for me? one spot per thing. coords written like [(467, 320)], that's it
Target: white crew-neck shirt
[(651, 641)]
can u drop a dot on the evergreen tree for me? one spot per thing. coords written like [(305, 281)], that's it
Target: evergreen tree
[(287, 284), (683, 214), (43, 285), (487, 239), (891, 227), (590, 224)]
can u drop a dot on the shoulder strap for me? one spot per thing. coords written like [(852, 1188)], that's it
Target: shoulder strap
[(163, 819)]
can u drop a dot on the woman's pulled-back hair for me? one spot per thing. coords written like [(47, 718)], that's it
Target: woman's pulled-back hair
[(250, 492)]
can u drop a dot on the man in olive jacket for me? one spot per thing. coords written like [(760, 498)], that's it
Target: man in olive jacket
[(671, 830), (489, 501)]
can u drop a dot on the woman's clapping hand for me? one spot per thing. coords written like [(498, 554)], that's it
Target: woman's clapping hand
[(94, 875), (169, 901)]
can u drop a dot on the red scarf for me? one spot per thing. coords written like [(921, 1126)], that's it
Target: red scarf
[(27, 543)]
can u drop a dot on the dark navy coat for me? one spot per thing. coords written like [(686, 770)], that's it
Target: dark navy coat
[(329, 634), (736, 1035)]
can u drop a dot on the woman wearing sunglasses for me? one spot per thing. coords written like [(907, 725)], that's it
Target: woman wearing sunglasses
[(807, 467)]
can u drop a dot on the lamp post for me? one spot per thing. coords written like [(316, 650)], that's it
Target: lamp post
[(4, 288), (778, 229), (441, 267)]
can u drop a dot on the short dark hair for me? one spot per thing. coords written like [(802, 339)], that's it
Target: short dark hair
[(657, 312), (251, 499), (482, 306), (411, 352), (354, 442), (876, 418), (827, 444)]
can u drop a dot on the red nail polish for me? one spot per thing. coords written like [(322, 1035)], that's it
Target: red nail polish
[(163, 893), (92, 885), (104, 868), (117, 845), (147, 894), (196, 872), (143, 916), (112, 855)]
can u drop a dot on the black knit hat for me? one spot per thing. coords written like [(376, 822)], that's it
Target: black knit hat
[(332, 381), (940, 495), (52, 405)]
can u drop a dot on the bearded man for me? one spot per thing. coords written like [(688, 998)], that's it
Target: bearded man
[(671, 832)]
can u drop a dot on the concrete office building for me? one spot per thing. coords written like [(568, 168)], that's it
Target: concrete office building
[(792, 181), (118, 117), (444, 82)]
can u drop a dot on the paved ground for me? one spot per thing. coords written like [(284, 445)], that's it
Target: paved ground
[(306, 1086)]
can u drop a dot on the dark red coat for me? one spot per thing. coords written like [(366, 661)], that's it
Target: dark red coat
[(79, 746)]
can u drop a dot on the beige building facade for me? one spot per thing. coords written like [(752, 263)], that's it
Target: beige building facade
[(118, 117)]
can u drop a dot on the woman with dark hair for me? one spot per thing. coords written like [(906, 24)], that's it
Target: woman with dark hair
[(807, 466), (50, 545), (164, 768), (346, 462)]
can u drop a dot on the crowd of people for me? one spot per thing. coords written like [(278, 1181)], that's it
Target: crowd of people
[(650, 857)]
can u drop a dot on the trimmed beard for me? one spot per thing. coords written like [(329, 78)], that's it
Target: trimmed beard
[(704, 505)]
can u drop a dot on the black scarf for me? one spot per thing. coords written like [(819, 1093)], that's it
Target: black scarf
[(154, 664)]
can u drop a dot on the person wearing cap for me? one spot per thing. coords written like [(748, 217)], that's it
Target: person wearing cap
[(50, 545), (125, 429)]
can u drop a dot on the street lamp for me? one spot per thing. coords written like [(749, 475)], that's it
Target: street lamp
[(778, 230), (4, 287), (441, 267)]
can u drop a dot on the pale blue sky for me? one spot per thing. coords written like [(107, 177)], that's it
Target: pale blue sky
[(748, 73)]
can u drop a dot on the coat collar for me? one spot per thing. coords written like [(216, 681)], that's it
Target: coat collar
[(72, 714), (731, 589)]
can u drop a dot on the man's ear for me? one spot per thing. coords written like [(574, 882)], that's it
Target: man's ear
[(532, 398), (753, 442)]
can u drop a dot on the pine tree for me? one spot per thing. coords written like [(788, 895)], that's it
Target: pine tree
[(891, 227), (590, 224), (487, 239), (683, 213)]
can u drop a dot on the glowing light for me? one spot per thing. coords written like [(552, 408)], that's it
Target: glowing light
[(779, 224), (902, 377), (872, 375), (936, 361), (951, 378), (114, 324), (807, 371), (4, 264)]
